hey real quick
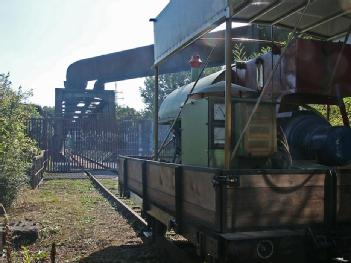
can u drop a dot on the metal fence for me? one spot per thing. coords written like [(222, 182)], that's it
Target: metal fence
[(91, 143)]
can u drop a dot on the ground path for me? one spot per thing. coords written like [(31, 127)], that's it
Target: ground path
[(84, 226)]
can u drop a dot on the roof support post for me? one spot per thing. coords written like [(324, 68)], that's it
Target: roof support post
[(156, 113), (228, 93)]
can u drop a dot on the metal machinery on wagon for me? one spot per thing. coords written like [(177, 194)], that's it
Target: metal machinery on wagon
[(258, 175)]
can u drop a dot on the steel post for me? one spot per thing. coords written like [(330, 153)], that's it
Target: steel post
[(156, 114), (228, 94)]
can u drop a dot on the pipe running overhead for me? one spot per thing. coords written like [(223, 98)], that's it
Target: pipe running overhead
[(138, 62)]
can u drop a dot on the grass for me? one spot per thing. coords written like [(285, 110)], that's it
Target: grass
[(81, 222), (110, 184)]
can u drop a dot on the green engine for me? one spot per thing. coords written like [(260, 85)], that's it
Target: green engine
[(202, 133), (201, 126)]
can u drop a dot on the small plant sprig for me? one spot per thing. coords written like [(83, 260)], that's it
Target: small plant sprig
[(27, 257), (8, 239)]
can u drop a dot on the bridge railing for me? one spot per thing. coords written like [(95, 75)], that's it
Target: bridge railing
[(38, 168)]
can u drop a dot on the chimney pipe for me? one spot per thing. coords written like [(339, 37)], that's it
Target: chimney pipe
[(195, 63)]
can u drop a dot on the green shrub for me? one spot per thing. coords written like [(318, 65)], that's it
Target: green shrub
[(16, 149)]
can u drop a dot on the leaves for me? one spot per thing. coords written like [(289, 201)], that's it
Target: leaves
[(335, 118), (167, 83), (16, 149), (125, 113), (239, 53)]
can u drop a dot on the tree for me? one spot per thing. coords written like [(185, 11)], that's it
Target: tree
[(48, 111), (167, 83), (335, 118), (16, 149), (125, 112)]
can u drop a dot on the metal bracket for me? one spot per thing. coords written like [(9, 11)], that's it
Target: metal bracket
[(227, 178)]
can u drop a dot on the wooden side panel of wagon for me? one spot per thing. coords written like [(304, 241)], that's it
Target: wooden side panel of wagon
[(274, 200), (343, 207), (135, 175), (199, 197), (160, 179)]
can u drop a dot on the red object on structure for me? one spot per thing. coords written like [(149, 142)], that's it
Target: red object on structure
[(195, 61)]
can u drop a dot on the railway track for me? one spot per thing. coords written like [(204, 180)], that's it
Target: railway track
[(84, 162), (175, 251)]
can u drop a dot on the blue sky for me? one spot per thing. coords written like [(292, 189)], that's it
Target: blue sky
[(40, 38)]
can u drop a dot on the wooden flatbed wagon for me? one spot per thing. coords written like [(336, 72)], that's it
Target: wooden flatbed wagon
[(245, 214), (261, 176)]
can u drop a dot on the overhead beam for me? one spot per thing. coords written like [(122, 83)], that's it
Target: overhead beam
[(289, 13), (323, 21), (264, 12)]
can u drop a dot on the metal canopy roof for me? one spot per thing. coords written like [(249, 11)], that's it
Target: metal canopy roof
[(183, 21), (327, 19)]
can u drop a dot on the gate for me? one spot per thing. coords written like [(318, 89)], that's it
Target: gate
[(90, 143)]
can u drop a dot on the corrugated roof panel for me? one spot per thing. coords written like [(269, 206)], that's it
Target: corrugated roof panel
[(280, 9), (335, 27), (176, 26)]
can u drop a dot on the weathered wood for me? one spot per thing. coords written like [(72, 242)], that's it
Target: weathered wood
[(343, 208), (162, 199), (120, 169), (199, 196), (160, 215), (135, 176), (275, 201), (257, 200), (282, 180), (161, 185), (195, 214), (343, 204)]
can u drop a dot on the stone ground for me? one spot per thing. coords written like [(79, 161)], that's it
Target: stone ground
[(82, 224)]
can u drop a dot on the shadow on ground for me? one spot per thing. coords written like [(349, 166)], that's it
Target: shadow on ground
[(126, 254)]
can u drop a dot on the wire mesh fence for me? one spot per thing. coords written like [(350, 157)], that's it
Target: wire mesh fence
[(91, 143)]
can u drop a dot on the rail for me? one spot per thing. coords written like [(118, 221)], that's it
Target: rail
[(38, 168), (138, 222), (177, 253)]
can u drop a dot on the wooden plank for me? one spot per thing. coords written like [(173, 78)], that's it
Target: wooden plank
[(279, 203), (344, 179), (161, 177), (160, 214), (135, 186), (199, 189), (134, 168), (120, 169), (193, 213), (343, 196), (343, 204), (162, 199), (161, 185), (274, 200), (282, 180), (250, 222), (247, 198), (199, 196)]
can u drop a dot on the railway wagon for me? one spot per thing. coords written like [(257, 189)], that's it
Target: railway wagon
[(286, 196), (246, 215), (256, 174)]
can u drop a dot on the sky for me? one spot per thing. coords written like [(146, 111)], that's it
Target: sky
[(41, 38)]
